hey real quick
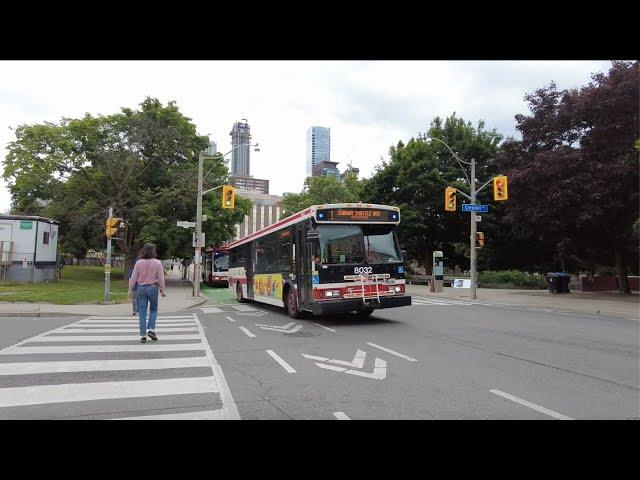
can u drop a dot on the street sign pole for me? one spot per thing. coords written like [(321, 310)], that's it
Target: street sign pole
[(472, 290), (196, 269), (107, 266)]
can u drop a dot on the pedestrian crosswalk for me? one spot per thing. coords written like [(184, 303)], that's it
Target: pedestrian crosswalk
[(97, 368)]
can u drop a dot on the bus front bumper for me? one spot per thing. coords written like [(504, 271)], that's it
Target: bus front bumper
[(328, 307)]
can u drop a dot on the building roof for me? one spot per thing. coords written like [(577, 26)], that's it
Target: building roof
[(29, 217)]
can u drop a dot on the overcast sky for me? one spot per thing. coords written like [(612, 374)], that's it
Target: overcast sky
[(369, 106)]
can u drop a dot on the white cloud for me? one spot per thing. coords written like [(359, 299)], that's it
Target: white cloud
[(368, 105)]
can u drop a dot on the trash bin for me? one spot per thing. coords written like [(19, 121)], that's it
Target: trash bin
[(563, 282), (558, 282)]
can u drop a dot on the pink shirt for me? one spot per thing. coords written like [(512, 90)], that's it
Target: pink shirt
[(147, 271)]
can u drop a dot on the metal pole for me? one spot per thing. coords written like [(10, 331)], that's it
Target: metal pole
[(472, 290), (107, 265), (196, 266)]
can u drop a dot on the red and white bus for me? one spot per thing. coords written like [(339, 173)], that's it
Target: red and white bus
[(215, 266), (325, 259)]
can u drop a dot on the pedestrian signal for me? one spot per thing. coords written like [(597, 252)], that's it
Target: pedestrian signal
[(450, 199), (500, 188), (479, 239), (228, 197)]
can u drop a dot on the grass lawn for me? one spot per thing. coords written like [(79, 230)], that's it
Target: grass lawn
[(78, 285), (219, 295)]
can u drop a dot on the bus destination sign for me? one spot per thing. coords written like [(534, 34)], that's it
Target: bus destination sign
[(372, 215)]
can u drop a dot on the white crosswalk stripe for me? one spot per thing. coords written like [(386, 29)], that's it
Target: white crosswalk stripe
[(181, 365)]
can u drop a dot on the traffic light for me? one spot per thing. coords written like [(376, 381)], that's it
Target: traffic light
[(479, 239), (111, 226), (450, 199), (228, 197), (500, 188)]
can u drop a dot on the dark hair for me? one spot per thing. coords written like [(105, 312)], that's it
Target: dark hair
[(148, 251)]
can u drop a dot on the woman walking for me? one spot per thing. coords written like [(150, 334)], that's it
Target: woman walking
[(148, 275)]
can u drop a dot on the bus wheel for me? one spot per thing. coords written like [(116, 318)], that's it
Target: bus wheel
[(239, 293), (292, 304)]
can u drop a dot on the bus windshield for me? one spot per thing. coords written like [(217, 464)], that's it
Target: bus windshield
[(373, 244), (221, 264)]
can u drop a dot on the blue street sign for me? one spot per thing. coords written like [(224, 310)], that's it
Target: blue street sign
[(467, 207)]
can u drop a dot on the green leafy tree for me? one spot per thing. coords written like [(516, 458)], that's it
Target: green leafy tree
[(141, 162), (323, 190)]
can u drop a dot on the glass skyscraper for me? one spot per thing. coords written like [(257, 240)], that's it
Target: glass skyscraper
[(318, 147)]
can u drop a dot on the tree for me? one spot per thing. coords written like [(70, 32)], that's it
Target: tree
[(141, 162), (323, 190), (574, 174)]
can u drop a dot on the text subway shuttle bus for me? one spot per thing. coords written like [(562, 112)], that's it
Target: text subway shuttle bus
[(325, 259)]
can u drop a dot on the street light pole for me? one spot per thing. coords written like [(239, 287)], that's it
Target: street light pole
[(472, 289), (472, 198), (198, 248), (197, 259)]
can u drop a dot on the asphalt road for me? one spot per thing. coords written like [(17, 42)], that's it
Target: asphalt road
[(433, 360)]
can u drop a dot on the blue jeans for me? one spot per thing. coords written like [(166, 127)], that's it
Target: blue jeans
[(144, 294)]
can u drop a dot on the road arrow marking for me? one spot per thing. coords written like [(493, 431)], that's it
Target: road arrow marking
[(288, 325), (247, 332), (379, 371), (211, 310), (257, 313), (388, 350), (358, 360), (283, 329), (311, 357)]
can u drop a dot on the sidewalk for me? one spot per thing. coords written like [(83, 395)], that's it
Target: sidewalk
[(586, 303), (178, 298)]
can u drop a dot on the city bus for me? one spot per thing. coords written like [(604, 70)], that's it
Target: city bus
[(326, 259), (215, 266)]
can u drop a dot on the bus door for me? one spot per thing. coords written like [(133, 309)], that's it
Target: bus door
[(250, 258), (303, 275)]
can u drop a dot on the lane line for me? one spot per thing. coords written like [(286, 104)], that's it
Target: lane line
[(247, 332), (202, 415), (341, 416), (282, 363), (230, 319), (82, 392), (211, 310), (392, 352), (27, 368), (229, 408), (533, 406), (326, 328)]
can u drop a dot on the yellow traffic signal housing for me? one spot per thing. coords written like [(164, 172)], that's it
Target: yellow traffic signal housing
[(500, 188), (450, 199), (479, 239), (111, 226), (228, 197)]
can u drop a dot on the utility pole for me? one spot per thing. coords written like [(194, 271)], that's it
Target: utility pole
[(472, 291), (107, 266), (196, 266)]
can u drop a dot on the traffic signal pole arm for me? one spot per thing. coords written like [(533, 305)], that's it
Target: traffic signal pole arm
[(487, 183), (462, 193), (212, 189)]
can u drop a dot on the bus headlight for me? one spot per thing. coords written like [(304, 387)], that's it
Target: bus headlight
[(332, 293)]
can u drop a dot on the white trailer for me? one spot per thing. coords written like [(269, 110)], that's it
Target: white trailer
[(28, 248)]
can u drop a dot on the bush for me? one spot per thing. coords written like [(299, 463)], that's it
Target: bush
[(511, 279)]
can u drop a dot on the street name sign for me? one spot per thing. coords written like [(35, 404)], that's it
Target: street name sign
[(187, 224), (468, 207)]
